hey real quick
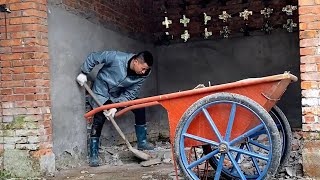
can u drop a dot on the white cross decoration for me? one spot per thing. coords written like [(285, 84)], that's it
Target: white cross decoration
[(166, 22), (206, 18), (290, 25), (245, 14), (224, 16), (266, 12), (207, 33), (184, 21), (289, 9), (185, 36), (225, 32)]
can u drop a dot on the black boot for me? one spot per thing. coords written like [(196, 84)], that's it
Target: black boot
[(94, 152), (141, 132)]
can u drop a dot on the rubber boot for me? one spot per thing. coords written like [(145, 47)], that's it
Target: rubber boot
[(94, 152), (141, 132)]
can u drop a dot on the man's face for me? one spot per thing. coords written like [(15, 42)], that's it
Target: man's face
[(140, 67)]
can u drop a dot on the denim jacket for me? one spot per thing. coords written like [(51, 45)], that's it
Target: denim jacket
[(112, 82)]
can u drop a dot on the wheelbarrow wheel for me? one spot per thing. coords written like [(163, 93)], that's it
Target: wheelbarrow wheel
[(232, 155), (284, 128), (285, 132)]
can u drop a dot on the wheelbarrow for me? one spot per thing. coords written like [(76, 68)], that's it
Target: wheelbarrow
[(231, 130)]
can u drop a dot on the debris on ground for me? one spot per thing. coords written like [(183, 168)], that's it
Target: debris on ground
[(119, 163)]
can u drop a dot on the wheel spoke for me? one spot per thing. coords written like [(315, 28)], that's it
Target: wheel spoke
[(237, 156), (197, 138), (255, 163), (235, 164), (249, 153), (203, 158), (259, 145), (219, 168), (247, 134), (213, 126), (231, 120)]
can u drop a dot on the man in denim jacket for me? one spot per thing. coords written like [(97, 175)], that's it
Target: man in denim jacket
[(119, 80)]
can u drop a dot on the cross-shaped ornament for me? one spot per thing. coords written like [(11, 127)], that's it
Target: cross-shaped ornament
[(267, 28), (245, 14), (184, 21), (166, 22), (225, 32), (224, 16), (290, 25), (289, 9), (207, 33), (185, 36), (206, 18), (266, 12)]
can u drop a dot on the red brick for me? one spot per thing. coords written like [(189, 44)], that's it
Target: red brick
[(38, 1), (27, 49), (11, 42), (12, 83), (23, 5), (17, 20), (309, 85), (6, 77), (6, 91), (11, 98), (313, 25), (35, 27), (24, 34), (14, 14), (306, 2), (307, 51), (310, 76), (25, 90), (308, 34), (11, 28), (309, 119), (309, 42), (5, 64), (18, 70), (33, 20), (23, 104), (18, 77), (307, 18), (34, 12)]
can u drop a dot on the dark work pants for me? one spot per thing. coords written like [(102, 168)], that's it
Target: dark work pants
[(99, 119)]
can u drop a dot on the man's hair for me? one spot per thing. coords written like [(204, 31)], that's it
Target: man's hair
[(146, 56)]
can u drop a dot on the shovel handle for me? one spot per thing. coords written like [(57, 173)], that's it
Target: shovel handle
[(92, 94), (108, 117)]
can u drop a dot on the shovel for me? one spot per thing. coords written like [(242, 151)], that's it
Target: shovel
[(136, 152)]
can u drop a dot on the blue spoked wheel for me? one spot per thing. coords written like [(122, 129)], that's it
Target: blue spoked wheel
[(251, 155), (284, 129)]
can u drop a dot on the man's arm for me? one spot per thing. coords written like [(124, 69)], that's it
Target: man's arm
[(130, 93), (96, 58)]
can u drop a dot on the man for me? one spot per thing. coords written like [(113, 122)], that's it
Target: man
[(119, 80)]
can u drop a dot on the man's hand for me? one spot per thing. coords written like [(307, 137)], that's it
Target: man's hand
[(81, 79), (111, 112)]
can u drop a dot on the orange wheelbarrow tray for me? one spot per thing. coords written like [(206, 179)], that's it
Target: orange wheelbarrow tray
[(231, 130)]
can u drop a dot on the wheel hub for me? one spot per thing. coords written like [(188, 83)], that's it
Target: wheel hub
[(223, 148)]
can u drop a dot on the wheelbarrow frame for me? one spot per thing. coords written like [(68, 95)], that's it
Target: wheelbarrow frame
[(265, 91)]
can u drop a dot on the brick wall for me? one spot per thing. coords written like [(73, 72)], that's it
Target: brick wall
[(130, 17), (25, 85), (195, 9), (309, 18)]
